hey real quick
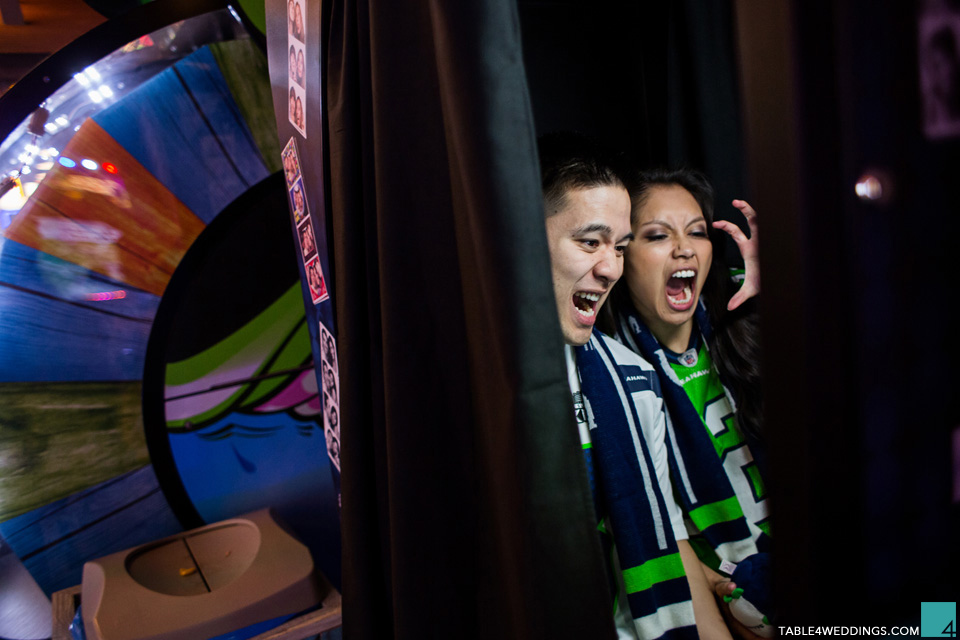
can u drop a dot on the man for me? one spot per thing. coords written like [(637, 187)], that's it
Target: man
[(661, 590)]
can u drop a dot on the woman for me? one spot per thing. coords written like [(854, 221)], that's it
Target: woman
[(293, 65), (298, 22), (672, 311)]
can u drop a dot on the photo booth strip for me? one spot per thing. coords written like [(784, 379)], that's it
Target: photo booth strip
[(308, 242), (297, 108), (297, 67), (298, 202), (291, 162), (330, 387), (315, 281)]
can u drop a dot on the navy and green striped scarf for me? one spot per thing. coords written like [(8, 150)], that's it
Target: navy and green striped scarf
[(710, 496), (657, 590)]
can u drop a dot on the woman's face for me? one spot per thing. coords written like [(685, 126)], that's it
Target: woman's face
[(290, 15), (293, 63), (300, 66), (293, 105), (298, 20), (669, 258), (299, 116)]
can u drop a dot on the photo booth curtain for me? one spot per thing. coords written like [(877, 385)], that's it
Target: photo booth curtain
[(465, 504)]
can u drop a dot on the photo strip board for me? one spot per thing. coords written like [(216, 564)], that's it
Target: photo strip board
[(297, 65), (306, 236)]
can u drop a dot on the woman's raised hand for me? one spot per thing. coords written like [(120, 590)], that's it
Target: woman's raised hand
[(748, 249)]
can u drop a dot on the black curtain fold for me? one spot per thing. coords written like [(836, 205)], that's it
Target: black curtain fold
[(703, 116), (466, 510)]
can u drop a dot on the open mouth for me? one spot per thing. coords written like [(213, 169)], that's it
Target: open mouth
[(680, 288), (586, 303)]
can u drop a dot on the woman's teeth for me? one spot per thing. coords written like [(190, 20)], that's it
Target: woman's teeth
[(683, 298), (684, 273)]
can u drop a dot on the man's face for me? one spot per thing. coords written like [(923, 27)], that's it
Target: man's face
[(587, 237)]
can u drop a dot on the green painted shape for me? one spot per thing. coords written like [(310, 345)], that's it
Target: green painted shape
[(716, 512), (255, 339), (244, 67), (293, 355), (259, 341), (653, 572), (256, 11), (765, 527)]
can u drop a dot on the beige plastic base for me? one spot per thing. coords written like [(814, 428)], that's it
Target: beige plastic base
[(201, 583)]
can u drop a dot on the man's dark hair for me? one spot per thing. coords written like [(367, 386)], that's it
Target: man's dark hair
[(570, 160)]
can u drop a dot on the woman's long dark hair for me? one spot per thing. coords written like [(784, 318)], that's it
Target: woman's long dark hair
[(735, 345)]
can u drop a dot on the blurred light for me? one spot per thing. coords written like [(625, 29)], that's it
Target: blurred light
[(109, 167), (23, 157), (95, 96), (869, 187), (76, 128), (25, 171), (82, 79), (87, 163), (62, 121), (31, 148), (106, 91), (53, 151), (67, 162), (101, 296), (92, 73), (51, 127), (14, 200)]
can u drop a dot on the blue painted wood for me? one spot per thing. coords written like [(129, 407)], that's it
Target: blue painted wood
[(54, 541), (49, 331), (185, 128)]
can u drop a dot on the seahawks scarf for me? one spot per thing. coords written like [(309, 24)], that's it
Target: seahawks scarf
[(711, 489), (612, 382)]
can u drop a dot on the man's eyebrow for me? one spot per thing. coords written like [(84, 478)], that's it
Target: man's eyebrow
[(593, 228)]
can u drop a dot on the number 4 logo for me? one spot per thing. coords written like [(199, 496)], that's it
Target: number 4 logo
[(938, 619)]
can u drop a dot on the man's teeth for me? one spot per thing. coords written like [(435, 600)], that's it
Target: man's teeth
[(684, 273), (684, 298), (588, 311)]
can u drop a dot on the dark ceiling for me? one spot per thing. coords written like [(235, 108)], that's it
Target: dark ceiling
[(47, 26)]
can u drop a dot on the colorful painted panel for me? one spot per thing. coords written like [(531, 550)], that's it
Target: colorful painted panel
[(100, 208)]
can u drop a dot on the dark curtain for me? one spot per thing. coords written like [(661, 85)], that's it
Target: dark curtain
[(466, 510), (702, 111)]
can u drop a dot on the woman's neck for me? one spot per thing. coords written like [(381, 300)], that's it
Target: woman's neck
[(674, 337)]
